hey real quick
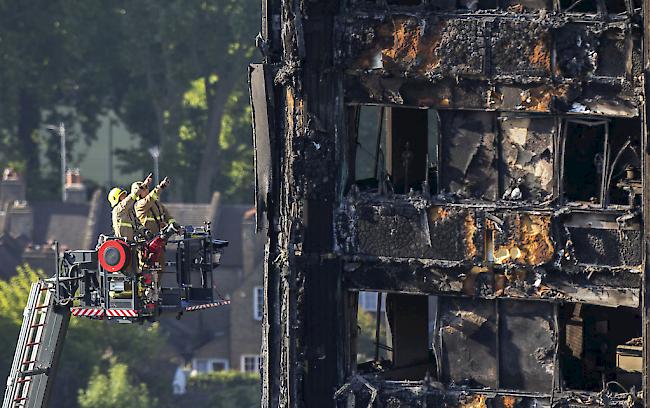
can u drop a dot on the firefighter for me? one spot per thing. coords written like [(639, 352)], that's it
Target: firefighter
[(124, 219), (151, 213)]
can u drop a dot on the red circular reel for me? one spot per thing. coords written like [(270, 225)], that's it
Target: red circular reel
[(114, 255)]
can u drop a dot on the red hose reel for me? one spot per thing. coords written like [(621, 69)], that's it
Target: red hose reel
[(114, 255)]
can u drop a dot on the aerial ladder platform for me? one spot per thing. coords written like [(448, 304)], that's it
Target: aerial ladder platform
[(118, 281)]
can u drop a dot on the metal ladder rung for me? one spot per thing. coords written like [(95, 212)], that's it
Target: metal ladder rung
[(34, 335)]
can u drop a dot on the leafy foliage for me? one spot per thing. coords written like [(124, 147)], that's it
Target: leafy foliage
[(13, 298), (366, 323), (90, 344), (226, 389), (115, 390), (173, 72), (15, 291)]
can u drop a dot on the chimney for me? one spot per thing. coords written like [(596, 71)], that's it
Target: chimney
[(12, 187), (74, 188)]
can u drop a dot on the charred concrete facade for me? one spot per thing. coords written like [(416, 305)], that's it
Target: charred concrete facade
[(482, 164)]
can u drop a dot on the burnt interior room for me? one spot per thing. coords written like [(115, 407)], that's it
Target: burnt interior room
[(491, 156), (399, 343), (500, 344), (599, 347), (395, 147), (602, 161)]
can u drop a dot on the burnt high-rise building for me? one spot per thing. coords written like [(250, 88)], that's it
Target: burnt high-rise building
[(477, 168)]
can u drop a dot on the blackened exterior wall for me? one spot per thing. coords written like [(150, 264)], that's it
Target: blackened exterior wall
[(510, 83)]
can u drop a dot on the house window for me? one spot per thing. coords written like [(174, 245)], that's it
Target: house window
[(200, 365), (258, 302), (209, 365), (219, 365), (250, 363)]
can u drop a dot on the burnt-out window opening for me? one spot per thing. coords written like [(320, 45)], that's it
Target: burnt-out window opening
[(373, 337), (579, 6), (370, 144), (396, 338), (585, 145), (613, 52), (602, 161), (623, 182), (397, 147), (599, 347), (407, 148)]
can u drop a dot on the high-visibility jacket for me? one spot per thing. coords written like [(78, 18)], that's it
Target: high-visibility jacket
[(124, 219), (152, 213)]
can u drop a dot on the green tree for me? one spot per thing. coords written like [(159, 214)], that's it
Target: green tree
[(367, 325), (62, 60), (116, 389), (226, 389), (13, 298), (45, 78), (187, 90), (91, 343)]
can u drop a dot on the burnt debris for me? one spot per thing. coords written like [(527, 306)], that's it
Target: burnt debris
[(477, 167)]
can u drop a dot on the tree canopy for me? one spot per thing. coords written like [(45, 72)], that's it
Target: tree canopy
[(115, 390), (173, 72)]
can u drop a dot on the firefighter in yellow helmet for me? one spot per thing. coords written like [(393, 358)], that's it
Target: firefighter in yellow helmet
[(151, 213), (123, 214)]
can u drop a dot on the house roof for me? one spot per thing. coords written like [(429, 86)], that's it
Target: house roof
[(62, 222)]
